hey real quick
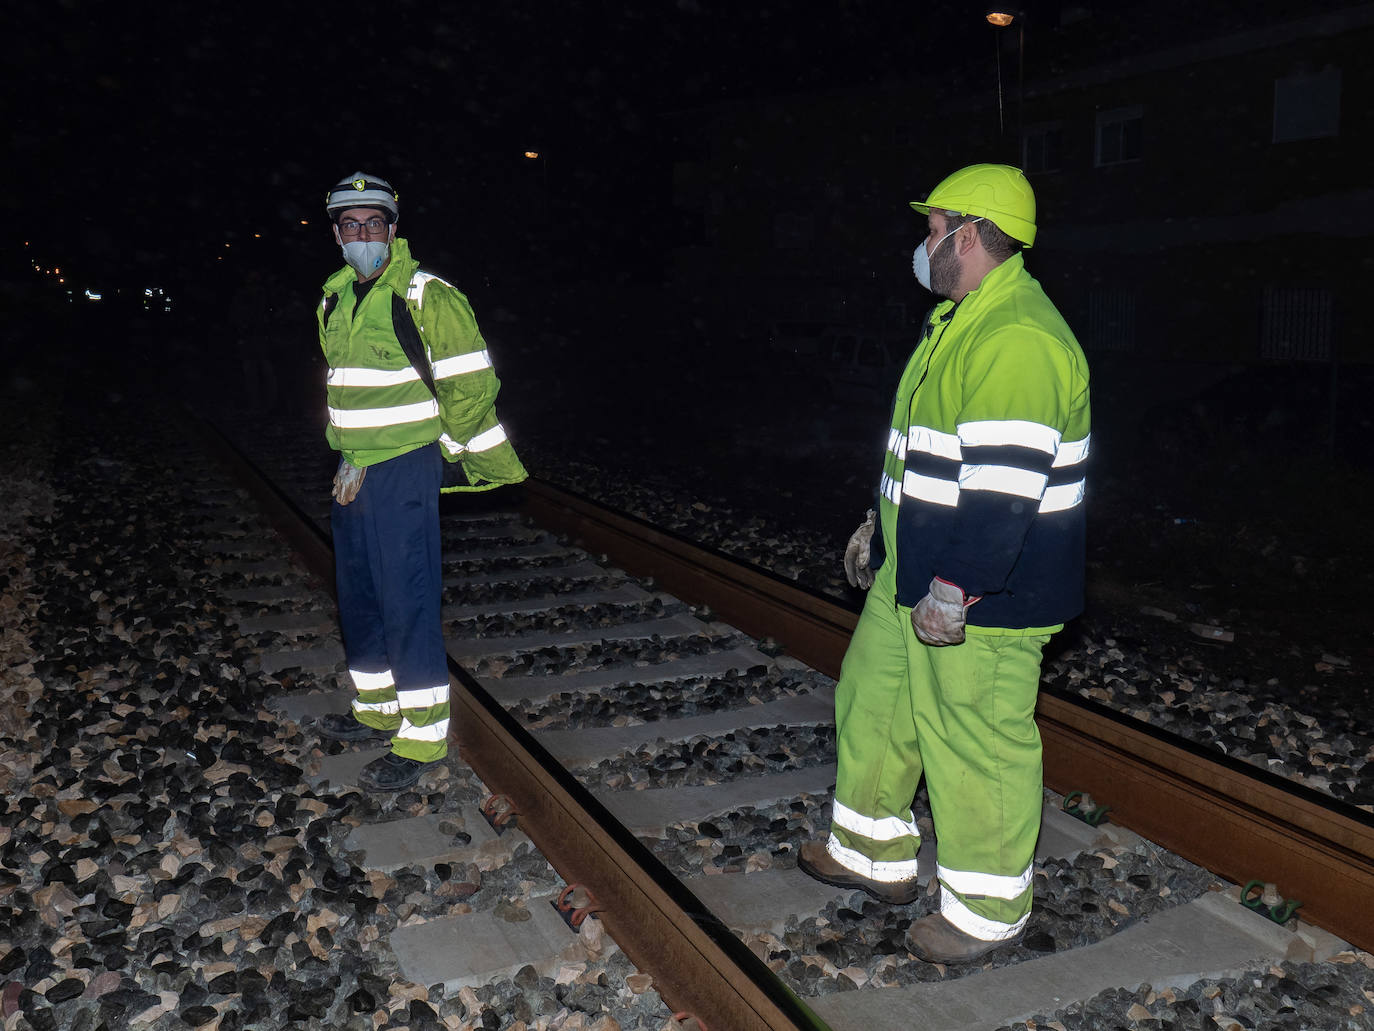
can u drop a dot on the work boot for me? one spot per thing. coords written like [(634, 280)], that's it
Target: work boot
[(343, 726), (390, 772), (936, 940), (815, 859)]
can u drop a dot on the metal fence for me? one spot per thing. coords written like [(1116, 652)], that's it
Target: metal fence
[(1297, 324)]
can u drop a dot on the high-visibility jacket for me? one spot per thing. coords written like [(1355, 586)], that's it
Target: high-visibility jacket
[(379, 407), (984, 476)]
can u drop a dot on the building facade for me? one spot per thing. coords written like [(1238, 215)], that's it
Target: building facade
[(1204, 194)]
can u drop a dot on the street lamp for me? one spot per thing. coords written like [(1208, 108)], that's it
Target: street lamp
[(1000, 18), (536, 155), (541, 244)]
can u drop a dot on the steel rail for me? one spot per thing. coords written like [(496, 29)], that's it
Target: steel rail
[(1231, 818), (697, 963)]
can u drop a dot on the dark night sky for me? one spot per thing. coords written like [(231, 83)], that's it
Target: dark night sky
[(176, 130), (149, 135)]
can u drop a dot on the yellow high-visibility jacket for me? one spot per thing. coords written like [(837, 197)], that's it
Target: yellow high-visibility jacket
[(380, 407), (984, 478)]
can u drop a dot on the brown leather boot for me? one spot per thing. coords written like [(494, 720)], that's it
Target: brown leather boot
[(815, 860), (936, 940)]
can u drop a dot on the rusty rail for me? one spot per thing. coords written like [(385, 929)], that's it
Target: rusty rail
[(697, 963), (1233, 819)]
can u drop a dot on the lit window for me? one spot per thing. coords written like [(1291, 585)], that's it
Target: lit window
[(1119, 135)]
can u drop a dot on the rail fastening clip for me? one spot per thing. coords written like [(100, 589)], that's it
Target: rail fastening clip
[(574, 904), (1281, 912), (499, 811), (1092, 817)]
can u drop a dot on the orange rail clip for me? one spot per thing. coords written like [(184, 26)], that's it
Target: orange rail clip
[(574, 915), (506, 814)]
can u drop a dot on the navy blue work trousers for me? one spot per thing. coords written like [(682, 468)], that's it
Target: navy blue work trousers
[(389, 584)]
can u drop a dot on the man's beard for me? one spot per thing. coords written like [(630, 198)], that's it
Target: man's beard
[(945, 271)]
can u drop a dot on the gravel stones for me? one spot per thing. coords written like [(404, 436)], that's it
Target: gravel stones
[(625, 655), (1333, 753), (691, 696), (855, 943), (162, 862), (564, 618), (705, 761), (1291, 995), (1286, 727)]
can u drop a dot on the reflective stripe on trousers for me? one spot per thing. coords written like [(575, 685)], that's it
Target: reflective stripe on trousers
[(386, 556), (962, 716)]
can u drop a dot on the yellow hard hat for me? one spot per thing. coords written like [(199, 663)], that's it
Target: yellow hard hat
[(999, 193)]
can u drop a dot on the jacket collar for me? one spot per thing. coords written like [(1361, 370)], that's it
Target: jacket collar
[(994, 285), (396, 277)]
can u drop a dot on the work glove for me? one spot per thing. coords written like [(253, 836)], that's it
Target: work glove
[(856, 569), (938, 618), (347, 481)]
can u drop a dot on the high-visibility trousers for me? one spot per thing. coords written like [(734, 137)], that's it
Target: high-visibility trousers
[(389, 584), (963, 715)]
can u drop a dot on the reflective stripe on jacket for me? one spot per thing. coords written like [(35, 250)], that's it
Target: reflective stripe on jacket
[(984, 476), (379, 407)]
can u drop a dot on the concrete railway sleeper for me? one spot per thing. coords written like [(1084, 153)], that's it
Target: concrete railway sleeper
[(671, 762)]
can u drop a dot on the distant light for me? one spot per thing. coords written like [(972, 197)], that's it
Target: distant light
[(92, 295), (1001, 18), (531, 154), (305, 221), (228, 245), (60, 279), (257, 236), (58, 271)]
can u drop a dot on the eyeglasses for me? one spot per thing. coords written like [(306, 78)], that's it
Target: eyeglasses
[(372, 225)]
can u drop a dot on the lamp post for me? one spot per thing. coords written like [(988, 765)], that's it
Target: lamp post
[(534, 155), (1000, 18), (543, 243)]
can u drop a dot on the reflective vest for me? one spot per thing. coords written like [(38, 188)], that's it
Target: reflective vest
[(984, 477), (380, 407)]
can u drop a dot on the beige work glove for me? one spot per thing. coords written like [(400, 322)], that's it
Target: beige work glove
[(856, 569), (347, 481), (938, 618)]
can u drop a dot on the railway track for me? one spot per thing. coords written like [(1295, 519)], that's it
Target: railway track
[(1223, 815), (549, 644)]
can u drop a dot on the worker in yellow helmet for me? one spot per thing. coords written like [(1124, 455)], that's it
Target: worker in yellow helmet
[(973, 558)]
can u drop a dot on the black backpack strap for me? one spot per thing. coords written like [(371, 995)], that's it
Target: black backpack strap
[(403, 325)]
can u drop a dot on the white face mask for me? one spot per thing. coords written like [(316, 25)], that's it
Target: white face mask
[(366, 256), (920, 261)]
